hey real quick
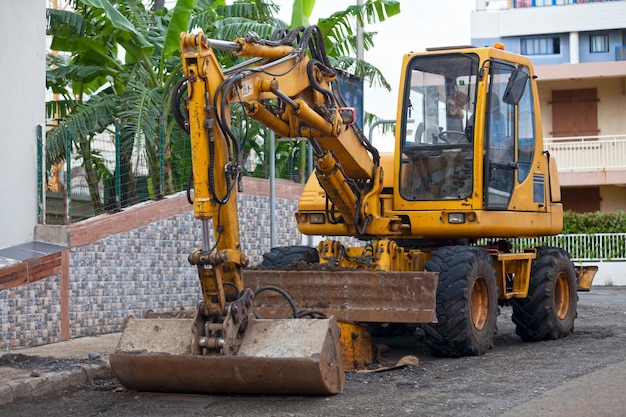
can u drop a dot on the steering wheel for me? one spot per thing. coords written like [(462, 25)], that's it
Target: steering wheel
[(452, 136)]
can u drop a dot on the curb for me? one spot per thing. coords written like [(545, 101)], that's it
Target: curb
[(51, 381)]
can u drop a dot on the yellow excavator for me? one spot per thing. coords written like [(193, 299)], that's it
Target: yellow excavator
[(468, 172)]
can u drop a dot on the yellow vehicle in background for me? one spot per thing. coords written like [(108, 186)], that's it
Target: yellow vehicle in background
[(468, 166)]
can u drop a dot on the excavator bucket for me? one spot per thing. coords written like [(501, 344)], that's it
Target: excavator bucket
[(277, 355), (289, 356), (585, 275)]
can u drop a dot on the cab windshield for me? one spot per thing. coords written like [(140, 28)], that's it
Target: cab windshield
[(437, 154)]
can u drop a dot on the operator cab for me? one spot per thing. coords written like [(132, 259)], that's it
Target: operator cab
[(449, 135)]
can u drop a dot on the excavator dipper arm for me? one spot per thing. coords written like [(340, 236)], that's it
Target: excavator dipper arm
[(224, 347)]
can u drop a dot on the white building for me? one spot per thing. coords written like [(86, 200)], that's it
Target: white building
[(578, 49), (22, 110)]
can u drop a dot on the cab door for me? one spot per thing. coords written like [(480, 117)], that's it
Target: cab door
[(505, 152)]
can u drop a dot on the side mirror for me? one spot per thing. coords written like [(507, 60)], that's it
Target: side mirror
[(515, 87)]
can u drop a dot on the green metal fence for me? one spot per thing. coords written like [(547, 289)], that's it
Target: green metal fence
[(103, 175)]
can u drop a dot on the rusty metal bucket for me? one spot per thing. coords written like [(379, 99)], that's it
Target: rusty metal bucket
[(288, 356), (350, 295), (585, 275)]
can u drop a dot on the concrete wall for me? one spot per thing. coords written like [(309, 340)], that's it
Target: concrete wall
[(609, 273), (22, 108)]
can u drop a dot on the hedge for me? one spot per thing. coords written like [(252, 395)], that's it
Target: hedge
[(596, 222)]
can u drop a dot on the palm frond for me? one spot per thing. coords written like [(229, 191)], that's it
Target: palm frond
[(361, 69), (235, 27), (258, 10), (140, 111), (57, 110), (85, 120), (203, 16), (64, 23), (339, 29)]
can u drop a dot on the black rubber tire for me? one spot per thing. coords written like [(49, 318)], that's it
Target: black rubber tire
[(285, 255), (467, 302), (549, 310)]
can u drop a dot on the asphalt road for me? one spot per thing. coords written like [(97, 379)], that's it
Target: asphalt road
[(580, 375)]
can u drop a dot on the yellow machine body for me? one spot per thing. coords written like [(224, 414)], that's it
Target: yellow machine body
[(468, 164)]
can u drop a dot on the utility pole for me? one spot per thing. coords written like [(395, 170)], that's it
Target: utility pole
[(359, 33)]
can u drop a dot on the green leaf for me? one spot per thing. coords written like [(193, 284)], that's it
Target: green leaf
[(82, 122), (301, 12), (178, 24), (120, 22), (64, 23)]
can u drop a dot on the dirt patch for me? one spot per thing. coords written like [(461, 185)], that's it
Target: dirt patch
[(40, 364)]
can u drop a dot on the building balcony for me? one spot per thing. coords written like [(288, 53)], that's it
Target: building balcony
[(589, 160)]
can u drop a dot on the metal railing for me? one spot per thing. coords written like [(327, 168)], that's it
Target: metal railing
[(105, 178), (588, 153), (597, 247)]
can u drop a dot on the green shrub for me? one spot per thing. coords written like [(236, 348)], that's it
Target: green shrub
[(596, 222)]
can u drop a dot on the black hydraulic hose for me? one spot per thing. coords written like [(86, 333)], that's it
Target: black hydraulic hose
[(189, 183), (232, 143), (181, 120), (177, 94), (223, 89), (284, 36), (328, 94), (311, 313), (211, 175), (282, 292)]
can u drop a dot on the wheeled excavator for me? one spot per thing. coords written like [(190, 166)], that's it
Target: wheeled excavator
[(430, 220)]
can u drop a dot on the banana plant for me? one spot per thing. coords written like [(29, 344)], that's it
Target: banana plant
[(121, 53), (118, 60), (340, 40)]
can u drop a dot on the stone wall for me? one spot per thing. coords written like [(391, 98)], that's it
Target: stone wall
[(30, 315), (129, 262)]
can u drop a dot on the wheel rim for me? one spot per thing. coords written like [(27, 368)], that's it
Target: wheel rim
[(561, 295), (479, 303)]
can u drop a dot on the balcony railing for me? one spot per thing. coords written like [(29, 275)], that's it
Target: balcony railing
[(588, 153)]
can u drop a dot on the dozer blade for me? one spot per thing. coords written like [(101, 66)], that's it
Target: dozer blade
[(292, 356), (358, 295)]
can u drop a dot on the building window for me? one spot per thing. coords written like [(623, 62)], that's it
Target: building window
[(541, 3), (540, 46), (598, 43)]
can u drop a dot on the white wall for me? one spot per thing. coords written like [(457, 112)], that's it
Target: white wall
[(609, 273), (545, 20), (22, 108)]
